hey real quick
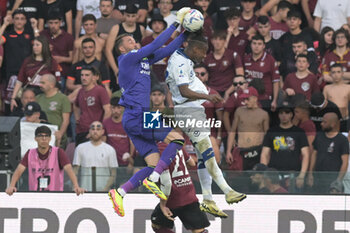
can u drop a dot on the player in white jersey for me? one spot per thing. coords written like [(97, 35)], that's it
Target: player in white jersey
[(188, 94)]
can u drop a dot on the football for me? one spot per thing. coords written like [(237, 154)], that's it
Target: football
[(193, 20)]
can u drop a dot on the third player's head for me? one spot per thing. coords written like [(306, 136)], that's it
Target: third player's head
[(197, 48), (201, 72)]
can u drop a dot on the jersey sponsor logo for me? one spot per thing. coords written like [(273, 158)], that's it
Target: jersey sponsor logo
[(183, 181), (90, 101), (254, 74), (211, 64), (247, 64), (282, 143), (28, 9), (117, 135), (181, 65), (53, 106), (305, 86), (145, 68)]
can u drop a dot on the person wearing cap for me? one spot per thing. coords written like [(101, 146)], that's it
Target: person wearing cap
[(251, 124), (285, 146), (339, 93), (158, 25), (46, 165), (329, 160), (116, 135), (257, 182), (89, 25), (106, 21), (33, 113), (97, 154), (320, 106), (128, 26)]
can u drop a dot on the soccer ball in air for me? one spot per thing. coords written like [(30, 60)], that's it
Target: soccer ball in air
[(193, 20)]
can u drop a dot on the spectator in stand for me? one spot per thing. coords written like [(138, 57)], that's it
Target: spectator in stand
[(15, 41), (261, 65), (89, 25), (330, 156), (32, 10), (120, 7), (320, 106), (106, 21), (294, 21), (302, 81), (85, 7), (91, 104), (340, 54), (248, 18), (28, 95), (39, 63), (62, 9), (158, 25), (325, 43), (308, 7), (61, 43), (285, 146), (236, 40), (56, 106), (129, 26), (165, 7), (250, 123), (218, 8), (302, 117), (277, 21), (208, 26), (45, 166), (223, 64), (178, 4), (89, 59), (32, 113), (331, 14), (339, 93), (96, 154), (272, 181), (257, 182), (272, 46), (117, 137), (234, 101)]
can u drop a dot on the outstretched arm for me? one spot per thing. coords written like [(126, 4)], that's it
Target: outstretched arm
[(168, 50)]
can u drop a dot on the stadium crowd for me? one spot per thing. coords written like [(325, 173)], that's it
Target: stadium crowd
[(282, 68)]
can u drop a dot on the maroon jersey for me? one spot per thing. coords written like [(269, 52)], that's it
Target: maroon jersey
[(306, 86), (61, 46), (91, 106), (309, 127), (238, 43), (245, 24), (332, 57), (277, 29), (117, 138), (222, 72), (208, 27), (182, 189), (160, 66), (30, 67), (211, 108), (264, 68)]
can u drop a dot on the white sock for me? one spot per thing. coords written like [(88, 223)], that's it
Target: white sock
[(121, 192), (205, 181), (154, 176), (216, 174)]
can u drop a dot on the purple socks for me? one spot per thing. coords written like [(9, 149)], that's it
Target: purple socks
[(136, 180), (167, 157)]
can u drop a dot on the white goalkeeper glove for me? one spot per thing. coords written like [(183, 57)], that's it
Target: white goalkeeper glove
[(180, 15)]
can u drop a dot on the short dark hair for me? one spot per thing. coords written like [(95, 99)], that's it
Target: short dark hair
[(111, 1), (302, 56), (298, 39), (88, 17), (200, 65), (336, 65), (341, 31), (196, 40), (232, 12), (294, 13), (258, 37), (115, 101), (131, 9), (87, 40), (119, 41), (54, 15), (304, 105), (263, 19), (284, 5), (221, 34), (17, 12), (93, 69), (42, 129)]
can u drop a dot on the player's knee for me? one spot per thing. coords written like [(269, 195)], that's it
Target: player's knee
[(175, 137)]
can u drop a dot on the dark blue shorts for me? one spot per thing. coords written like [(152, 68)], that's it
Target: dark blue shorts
[(143, 139)]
